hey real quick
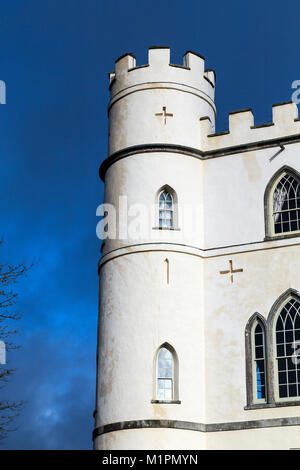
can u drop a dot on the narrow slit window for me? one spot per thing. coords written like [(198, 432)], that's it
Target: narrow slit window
[(167, 270), (257, 349)]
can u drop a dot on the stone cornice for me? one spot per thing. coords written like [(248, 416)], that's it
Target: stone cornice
[(193, 152), (191, 426)]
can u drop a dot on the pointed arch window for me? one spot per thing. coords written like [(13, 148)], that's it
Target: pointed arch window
[(284, 203), (165, 375), (273, 354), (256, 363), (166, 209), (287, 330)]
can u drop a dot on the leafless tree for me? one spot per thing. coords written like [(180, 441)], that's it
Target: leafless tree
[(9, 275)]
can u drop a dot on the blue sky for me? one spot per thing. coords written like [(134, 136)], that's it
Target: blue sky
[(54, 57)]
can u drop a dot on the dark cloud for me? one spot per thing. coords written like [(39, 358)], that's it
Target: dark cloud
[(55, 379)]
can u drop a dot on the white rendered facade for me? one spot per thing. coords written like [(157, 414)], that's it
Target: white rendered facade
[(168, 287)]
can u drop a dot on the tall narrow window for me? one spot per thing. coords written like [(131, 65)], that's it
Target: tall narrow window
[(165, 375), (286, 204), (287, 331), (259, 361), (165, 210)]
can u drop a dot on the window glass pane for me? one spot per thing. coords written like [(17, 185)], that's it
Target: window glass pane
[(258, 329), (280, 350), (279, 324), (259, 352), (282, 391), (288, 323), (297, 335), (292, 377), (289, 336), (290, 363), (293, 391), (260, 365), (294, 226), (289, 350), (259, 339), (161, 384), (280, 337), (282, 364), (282, 378)]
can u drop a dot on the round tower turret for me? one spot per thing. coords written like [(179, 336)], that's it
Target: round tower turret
[(150, 309)]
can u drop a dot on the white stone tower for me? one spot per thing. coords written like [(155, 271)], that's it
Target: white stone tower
[(172, 370)]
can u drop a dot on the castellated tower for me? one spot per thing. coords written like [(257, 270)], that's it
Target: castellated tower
[(199, 312)]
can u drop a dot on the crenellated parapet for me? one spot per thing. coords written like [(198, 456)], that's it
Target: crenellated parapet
[(183, 95), (242, 130), (159, 102), (191, 73)]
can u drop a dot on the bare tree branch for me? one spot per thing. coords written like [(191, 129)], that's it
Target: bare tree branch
[(9, 274)]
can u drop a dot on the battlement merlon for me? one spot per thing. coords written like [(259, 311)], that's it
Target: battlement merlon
[(242, 131), (192, 73)]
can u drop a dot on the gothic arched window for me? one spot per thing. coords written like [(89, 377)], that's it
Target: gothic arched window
[(166, 204), (284, 203), (287, 343), (166, 209), (165, 374), (273, 354), (256, 363)]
